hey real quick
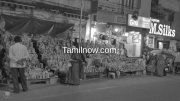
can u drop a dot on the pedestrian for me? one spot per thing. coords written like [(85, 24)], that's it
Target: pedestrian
[(18, 54), (74, 70), (82, 65), (151, 64), (161, 64)]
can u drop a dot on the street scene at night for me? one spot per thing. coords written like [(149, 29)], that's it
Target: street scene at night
[(89, 50)]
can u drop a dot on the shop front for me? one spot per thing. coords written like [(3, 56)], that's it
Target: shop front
[(161, 35), (110, 34), (157, 34), (136, 29)]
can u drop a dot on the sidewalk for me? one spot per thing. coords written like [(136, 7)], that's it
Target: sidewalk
[(39, 92), (4, 87), (100, 88)]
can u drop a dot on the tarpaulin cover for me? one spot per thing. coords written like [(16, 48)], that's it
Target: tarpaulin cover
[(20, 25)]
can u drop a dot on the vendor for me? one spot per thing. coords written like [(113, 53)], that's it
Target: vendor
[(151, 64), (161, 64), (122, 50)]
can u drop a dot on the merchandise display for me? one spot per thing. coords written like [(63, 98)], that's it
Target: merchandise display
[(113, 62), (49, 50), (118, 63), (51, 57)]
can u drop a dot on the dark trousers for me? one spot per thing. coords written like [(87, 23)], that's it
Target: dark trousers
[(81, 71), (18, 76), (4, 74)]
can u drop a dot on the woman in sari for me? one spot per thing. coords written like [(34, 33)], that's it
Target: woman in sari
[(161, 64), (74, 70), (151, 64)]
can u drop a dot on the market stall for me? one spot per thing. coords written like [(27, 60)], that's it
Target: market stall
[(99, 63), (47, 58), (38, 36), (52, 56)]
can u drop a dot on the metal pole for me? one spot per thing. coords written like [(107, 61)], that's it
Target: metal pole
[(90, 28), (80, 23)]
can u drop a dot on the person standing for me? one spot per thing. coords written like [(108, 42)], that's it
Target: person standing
[(18, 54), (82, 64), (151, 64), (161, 64), (74, 70), (123, 51)]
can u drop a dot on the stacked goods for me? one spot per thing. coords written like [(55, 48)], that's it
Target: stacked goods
[(52, 51), (53, 55), (127, 65), (116, 62), (35, 72), (33, 57), (92, 67)]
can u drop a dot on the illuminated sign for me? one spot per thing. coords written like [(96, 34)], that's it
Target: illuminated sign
[(141, 22), (153, 24), (161, 29)]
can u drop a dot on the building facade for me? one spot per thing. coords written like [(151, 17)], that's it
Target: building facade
[(63, 11), (165, 35), (111, 18)]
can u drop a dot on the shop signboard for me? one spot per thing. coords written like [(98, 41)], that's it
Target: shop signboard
[(109, 17), (161, 29), (141, 22), (154, 25)]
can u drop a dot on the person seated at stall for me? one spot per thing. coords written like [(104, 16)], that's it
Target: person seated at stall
[(123, 50)]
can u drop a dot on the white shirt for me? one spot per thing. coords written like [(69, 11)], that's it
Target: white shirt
[(16, 53)]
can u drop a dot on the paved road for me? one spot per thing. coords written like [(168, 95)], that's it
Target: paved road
[(124, 89)]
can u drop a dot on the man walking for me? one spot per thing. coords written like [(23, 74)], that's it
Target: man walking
[(18, 54)]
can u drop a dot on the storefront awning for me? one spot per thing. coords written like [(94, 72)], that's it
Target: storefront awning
[(19, 25)]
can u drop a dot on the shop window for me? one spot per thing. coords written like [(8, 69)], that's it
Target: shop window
[(150, 41), (133, 45), (163, 44), (166, 45), (160, 45)]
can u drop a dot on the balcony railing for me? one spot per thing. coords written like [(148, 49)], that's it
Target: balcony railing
[(115, 7)]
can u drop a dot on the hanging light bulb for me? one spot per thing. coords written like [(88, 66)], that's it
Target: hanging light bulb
[(116, 29)]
